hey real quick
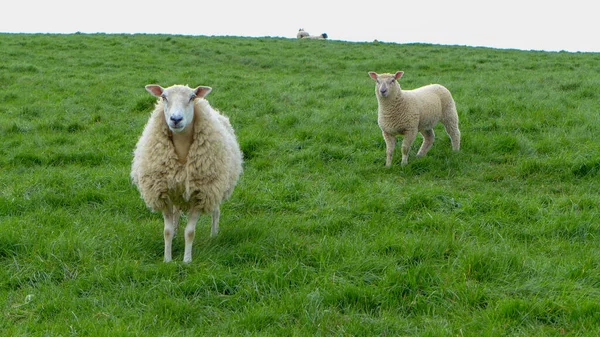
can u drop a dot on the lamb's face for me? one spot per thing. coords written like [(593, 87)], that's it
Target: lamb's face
[(178, 102), (386, 83)]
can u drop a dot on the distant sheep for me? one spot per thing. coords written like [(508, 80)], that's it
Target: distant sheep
[(408, 112), (302, 33), (187, 159), (322, 36)]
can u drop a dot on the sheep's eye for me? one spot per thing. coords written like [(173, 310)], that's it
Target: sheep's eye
[(164, 97), (392, 81), (192, 97)]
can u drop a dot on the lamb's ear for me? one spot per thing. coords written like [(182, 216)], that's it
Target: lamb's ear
[(399, 74), (373, 75), (202, 91), (155, 89)]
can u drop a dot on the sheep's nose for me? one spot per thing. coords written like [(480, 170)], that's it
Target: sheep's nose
[(176, 119), (383, 91)]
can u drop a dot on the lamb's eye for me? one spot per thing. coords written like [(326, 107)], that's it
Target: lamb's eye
[(164, 98), (192, 97)]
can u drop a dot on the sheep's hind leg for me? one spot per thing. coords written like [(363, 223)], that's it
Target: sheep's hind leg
[(451, 126), (454, 134), (214, 230), (190, 233), (171, 217), (390, 143), (428, 138)]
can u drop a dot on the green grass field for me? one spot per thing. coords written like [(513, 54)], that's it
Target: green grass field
[(319, 237)]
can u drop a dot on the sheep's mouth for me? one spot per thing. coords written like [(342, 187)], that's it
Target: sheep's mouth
[(177, 128)]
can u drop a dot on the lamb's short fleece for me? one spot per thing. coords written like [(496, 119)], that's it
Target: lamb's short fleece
[(408, 112)]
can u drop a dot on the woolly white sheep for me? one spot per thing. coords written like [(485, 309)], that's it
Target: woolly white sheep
[(187, 159), (408, 112), (302, 33), (322, 36)]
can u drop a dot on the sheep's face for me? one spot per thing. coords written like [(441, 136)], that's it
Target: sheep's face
[(178, 102), (386, 83)]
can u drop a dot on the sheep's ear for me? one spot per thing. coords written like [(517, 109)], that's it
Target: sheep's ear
[(155, 89), (202, 91), (399, 74), (373, 75)]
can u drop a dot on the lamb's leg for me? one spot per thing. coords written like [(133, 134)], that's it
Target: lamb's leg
[(428, 137), (451, 125), (214, 230), (454, 134), (171, 217), (409, 138), (390, 143), (190, 232)]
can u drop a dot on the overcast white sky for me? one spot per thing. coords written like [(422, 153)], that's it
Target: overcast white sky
[(551, 25)]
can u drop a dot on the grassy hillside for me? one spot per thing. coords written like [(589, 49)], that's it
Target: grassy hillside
[(319, 238)]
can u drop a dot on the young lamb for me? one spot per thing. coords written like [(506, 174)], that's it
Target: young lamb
[(408, 112), (187, 159)]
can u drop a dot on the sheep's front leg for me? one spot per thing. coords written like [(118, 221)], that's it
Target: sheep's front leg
[(190, 233), (171, 217), (428, 138), (390, 143), (409, 138), (214, 230)]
